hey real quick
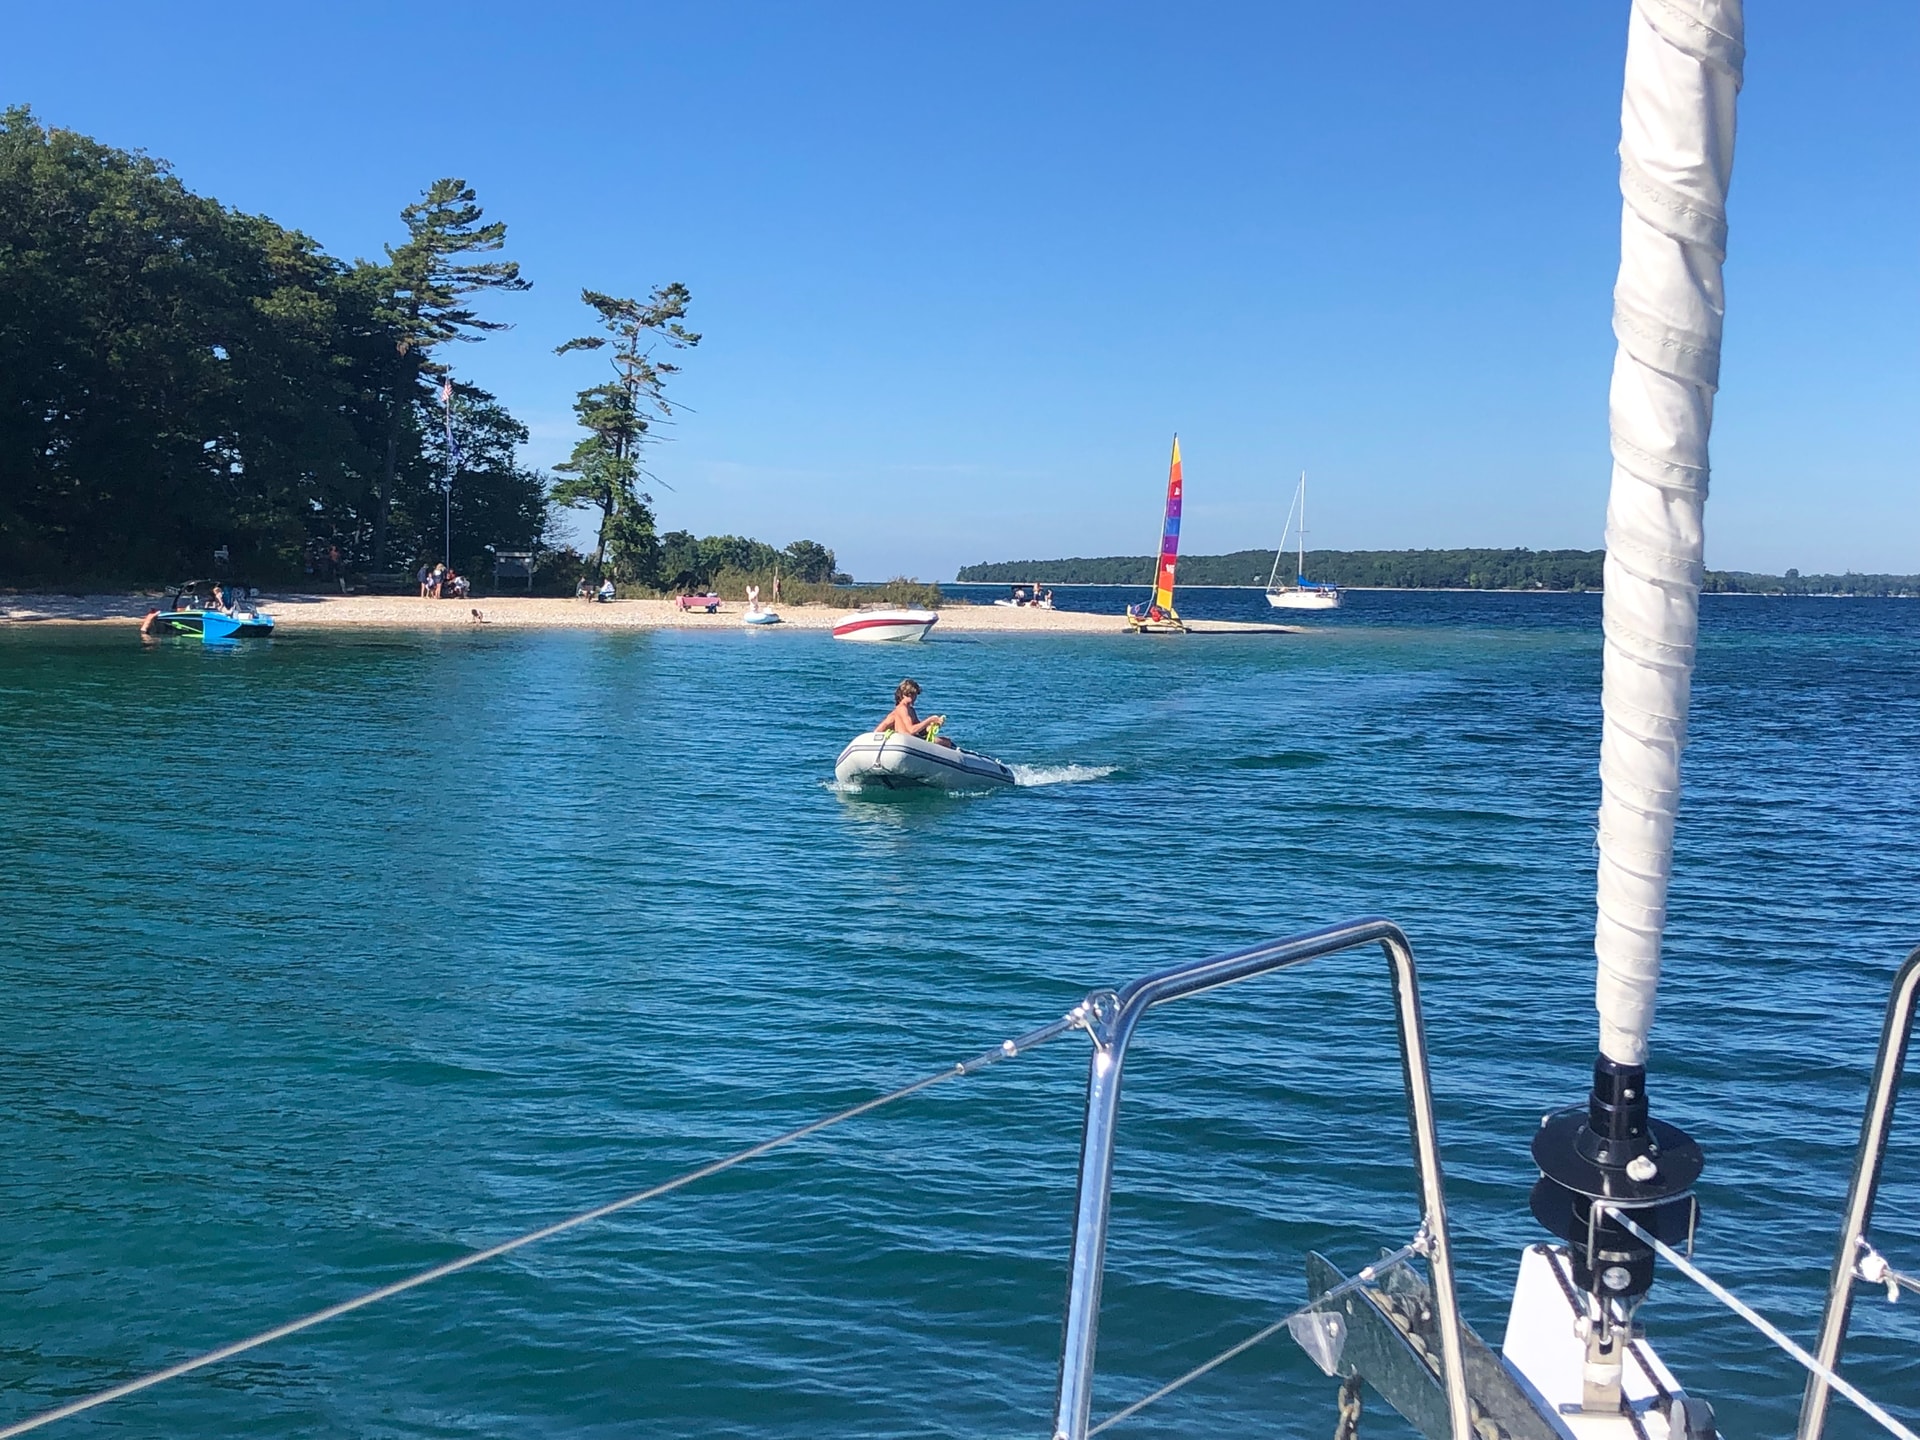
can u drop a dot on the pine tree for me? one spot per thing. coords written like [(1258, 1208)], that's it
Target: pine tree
[(424, 305), (604, 470)]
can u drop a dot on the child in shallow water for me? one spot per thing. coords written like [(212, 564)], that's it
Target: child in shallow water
[(901, 720)]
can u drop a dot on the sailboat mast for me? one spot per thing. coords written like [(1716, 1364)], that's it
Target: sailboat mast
[(1300, 570), (1280, 550)]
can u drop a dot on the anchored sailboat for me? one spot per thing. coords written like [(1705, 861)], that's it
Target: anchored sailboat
[(1303, 594), (1158, 617)]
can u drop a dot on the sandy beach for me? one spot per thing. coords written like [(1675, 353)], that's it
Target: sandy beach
[(293, 613)]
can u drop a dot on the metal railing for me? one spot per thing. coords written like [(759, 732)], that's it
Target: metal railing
[(1112, 1019), (1882, 1091)]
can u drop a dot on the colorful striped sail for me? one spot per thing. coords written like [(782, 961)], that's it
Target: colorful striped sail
[(1169, 538)]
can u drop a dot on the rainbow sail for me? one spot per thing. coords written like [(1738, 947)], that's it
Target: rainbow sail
[(1169, 540)]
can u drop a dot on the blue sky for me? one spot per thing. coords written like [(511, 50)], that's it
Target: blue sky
[(963, 270)]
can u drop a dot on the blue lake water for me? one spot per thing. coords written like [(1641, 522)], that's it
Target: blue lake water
[(330, 957)]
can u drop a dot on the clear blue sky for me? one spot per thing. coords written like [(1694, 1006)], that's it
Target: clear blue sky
[(963, 269)]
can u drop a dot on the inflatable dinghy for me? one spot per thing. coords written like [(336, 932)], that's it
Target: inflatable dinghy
[(900, 762)]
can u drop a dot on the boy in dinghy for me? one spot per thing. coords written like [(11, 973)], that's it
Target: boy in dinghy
[(901, 720)]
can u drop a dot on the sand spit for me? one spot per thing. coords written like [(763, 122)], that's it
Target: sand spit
[(294, 613)]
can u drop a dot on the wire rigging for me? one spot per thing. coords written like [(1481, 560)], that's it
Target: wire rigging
[(1415, 1246), (1074, 1019), (1766, 1327)]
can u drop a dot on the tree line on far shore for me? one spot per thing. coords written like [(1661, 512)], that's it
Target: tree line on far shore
[(1416, 570), (179, 379)]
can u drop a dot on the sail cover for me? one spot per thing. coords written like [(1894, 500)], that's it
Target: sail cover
[(1169, 537), (1683, 73)]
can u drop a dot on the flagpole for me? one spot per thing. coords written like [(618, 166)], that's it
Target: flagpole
[(453, 462)]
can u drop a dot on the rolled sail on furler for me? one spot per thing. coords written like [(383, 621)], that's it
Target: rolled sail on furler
[(1676, 158)]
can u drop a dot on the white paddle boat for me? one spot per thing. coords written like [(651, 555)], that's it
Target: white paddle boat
[(891, 761)]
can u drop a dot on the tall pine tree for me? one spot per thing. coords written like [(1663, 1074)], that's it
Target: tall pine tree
[(427, 285), (604, 470)]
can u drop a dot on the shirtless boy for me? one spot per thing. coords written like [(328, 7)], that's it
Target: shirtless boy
[(902, 721)]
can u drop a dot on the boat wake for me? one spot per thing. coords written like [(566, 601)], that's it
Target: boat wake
[(1027, 776)]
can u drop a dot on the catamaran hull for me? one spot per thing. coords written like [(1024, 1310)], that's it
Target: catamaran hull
[(900, 762), (870, 625), (1304, 599)]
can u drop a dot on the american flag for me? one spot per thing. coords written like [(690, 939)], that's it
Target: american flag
[(446, 410)]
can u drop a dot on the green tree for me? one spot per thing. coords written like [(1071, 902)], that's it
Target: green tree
[(175, 377), (604, 470), (178, 378), (809, 560), (496, 504), (680, 564), (736, 552), (427, 282)]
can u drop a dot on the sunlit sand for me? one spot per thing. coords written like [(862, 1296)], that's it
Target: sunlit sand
[(295, 613)]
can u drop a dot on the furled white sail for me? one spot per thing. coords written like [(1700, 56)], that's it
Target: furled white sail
[(1684, 60)]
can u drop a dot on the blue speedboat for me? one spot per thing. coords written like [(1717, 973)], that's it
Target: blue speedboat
[(219, 625), (196, 609)]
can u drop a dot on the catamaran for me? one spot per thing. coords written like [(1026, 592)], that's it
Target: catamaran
[(1158, 617), (1303, 594)]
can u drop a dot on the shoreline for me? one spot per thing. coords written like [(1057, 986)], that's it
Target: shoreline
[(1147, 586), (293, 613)]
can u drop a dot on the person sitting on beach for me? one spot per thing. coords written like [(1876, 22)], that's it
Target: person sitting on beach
[(901, 720), (584, 590), (606, 589)]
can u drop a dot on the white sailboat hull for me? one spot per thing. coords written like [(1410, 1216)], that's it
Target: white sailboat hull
[(1304, 599)]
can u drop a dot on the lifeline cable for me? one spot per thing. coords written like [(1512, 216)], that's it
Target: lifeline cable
[(1765, 1326), (1416, 1246), (1074, 1019)]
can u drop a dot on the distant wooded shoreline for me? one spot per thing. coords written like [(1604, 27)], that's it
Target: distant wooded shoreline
[(1553, 570)]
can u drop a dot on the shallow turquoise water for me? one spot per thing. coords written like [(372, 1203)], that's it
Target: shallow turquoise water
[(328, 958)]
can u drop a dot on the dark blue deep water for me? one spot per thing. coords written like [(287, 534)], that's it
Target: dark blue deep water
[(328, 958)]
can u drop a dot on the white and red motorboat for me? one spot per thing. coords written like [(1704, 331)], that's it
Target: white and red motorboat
[(885, 625)]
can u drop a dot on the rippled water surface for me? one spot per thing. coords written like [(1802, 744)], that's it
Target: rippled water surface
[(327, 958)]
